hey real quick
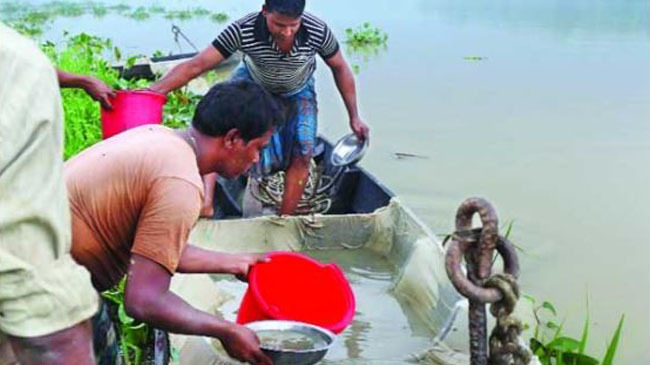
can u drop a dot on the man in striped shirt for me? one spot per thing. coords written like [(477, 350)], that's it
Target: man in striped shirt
[(279, 44)]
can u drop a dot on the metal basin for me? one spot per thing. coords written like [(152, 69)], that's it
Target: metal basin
[(348, 150), (321, 337)]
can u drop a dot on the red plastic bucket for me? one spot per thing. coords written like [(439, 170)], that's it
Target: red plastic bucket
[(296, 287), (132, 109)]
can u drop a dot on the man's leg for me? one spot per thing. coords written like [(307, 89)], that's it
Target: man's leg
[(295, 181), (69, 346), (302, 138)]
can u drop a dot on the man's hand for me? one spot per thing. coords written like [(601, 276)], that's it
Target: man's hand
[(242, 263), (242, 344), (99, 91), (94, 87), (360, 129)]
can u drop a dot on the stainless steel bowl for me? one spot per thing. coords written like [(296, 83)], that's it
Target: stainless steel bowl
[(348, 150), (295, 357)]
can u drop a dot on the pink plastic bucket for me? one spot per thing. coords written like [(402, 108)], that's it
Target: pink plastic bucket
[(132, 109)]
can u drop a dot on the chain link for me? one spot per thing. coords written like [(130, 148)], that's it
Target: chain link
[(505, 345), (476, 246)]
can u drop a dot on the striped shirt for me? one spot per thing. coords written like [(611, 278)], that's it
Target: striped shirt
[(276, 71)]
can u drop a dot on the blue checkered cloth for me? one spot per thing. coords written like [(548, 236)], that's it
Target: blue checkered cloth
[(296, 137)]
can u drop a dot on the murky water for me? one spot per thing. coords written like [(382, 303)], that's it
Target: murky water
[(289, 340), (552, 125), (381, 329)]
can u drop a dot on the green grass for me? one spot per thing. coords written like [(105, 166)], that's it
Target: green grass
[(554, 347)]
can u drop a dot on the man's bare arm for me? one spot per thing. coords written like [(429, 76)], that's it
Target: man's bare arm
[(185, 71), (345, 83), (147, 298)]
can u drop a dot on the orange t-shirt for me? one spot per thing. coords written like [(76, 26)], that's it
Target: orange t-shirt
[(137, 192)]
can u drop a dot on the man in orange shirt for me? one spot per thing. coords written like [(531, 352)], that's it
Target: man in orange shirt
[(135, 197)]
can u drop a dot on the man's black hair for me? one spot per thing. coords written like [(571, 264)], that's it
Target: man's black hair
[(243, 105), (292, 8)]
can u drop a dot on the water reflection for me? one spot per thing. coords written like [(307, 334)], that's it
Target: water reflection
[(359, 56), (355, 336)]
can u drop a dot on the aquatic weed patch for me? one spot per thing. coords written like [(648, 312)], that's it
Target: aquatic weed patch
[(219, 17), (140, 13), (33, 19), (363, 43), (365, 35)]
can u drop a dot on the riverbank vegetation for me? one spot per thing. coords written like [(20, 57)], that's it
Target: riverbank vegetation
[(553, 346)]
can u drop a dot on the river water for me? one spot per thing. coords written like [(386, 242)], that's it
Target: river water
[(542, 107)]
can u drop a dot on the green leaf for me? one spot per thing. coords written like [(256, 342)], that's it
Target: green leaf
[(124, 318), (585, 332), (564, 344), (509, 229), (551, 325), (113, 296), (130, 61), (611, 349), (529, 298), (550, 307), (558, 331), (578, 359), (536, 345)]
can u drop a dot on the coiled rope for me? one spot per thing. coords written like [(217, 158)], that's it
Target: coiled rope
[(314, 199)]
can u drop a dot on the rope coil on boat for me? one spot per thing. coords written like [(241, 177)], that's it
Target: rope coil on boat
[(477, 247), (314, 199)]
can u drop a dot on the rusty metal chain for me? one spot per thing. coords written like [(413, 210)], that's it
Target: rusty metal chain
[(477, 247), (505, 347)]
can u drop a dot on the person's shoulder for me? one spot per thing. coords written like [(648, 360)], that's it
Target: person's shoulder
[(312, 20), (247, 20), (24, 50)]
